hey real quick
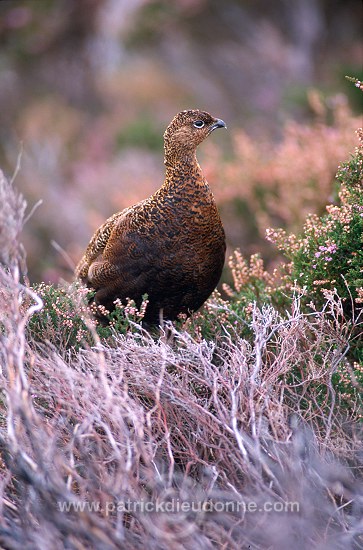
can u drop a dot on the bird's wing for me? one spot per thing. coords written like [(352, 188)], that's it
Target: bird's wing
[(97, 245)]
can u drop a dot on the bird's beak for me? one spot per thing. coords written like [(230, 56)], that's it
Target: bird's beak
[(218, 124)]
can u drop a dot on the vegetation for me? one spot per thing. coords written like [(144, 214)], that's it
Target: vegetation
[(68, 321), (254, 403), (240, 427)]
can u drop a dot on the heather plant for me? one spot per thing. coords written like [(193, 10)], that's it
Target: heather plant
[(251, 285), (123, 319), (326, 259), (70, 319), (279, 184), (63, 319), (235, 318), (323, 268)]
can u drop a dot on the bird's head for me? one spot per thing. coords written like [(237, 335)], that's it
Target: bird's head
[(186, 131)]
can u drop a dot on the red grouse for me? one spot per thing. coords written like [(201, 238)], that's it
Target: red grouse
[(170, 246)]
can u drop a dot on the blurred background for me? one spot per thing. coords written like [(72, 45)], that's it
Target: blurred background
[(87, 88)]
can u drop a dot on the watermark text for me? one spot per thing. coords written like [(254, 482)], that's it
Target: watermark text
[(176, 505)]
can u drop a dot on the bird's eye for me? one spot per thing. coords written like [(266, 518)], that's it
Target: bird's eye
[(198, 123)]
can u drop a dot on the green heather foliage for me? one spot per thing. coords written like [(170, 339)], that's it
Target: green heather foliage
[(326, 259), (61, 320), (328, 254), (68, 321)]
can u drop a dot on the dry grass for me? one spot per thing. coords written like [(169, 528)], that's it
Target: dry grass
[(227, 425)]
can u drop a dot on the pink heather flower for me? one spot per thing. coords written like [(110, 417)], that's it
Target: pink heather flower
[(317, 254), (329, 259)]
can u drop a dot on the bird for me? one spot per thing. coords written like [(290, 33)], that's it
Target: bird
[(170, 246)]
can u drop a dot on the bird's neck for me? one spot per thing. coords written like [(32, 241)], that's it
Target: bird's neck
[(183, 172)]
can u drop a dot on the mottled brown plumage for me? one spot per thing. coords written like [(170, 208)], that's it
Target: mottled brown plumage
[(170, 246)]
